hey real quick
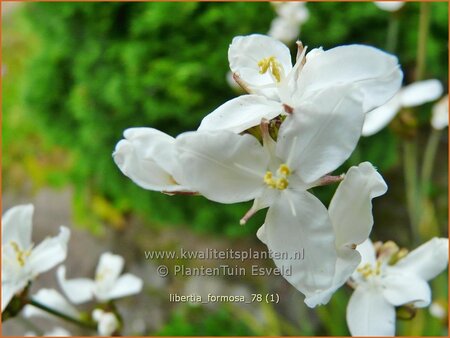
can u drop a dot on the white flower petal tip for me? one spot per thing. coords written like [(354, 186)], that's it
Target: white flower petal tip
[(107, 322), (21, 262), (439, 117), (52, 299), (241, 113), (438, 310), (146, 156), (421, 92), (389, 6)]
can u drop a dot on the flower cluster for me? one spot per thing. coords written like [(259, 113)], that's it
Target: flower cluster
[(22, 263)]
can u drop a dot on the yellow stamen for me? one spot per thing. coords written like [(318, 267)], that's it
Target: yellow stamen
[(280, 182), (270, 63), (284, 170), (20, 255)]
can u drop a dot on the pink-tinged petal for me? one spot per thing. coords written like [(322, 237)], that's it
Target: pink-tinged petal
[(428, 260), (370, 314), (126, 285), (375, 73), (401, 288), (223, 166), (351, 207), (380, 117), (421, 92), (322, 132), (49, 253), (298, 222), (246, 52), (78, 290), (146, 156), (52, 299), (241, 113), (17, 224)]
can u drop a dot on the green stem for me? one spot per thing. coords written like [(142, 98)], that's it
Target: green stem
[(392, 33), (424, 25), (411, 183), (62, 315), (428, 160)]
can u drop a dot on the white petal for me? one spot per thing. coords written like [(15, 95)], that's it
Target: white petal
[(284, 30), (369, 314), (308, 230), (107, 324), (322, 132), (52, 299), (16, 225), (106, 275), (49, 253), (428, 260), (79, 290), (126, 285), (389, 6), (241, 113), (261, 234), (223, 166), (146, 156), (380, 117), (374, 72), (439, 118), (348, 260), (294, 11), (351, 207), (367, 252), (401, 288), (246, 51), (57, 332), (421, 92)]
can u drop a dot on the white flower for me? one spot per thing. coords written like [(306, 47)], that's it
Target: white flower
[(389, 6), (146, 157), (21, 261), (107, 322), (290, 15), (52, 299), (108, 283), (55, 332), (229, 168), (439, 117), (412, 95), (350, 212), (437, 310), (386, 278), (263, 66)]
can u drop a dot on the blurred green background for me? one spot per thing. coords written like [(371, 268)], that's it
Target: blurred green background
[(76, 75)]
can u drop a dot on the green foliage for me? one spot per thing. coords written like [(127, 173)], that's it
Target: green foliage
[(198, 321)]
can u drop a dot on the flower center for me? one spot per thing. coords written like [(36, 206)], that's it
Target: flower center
[(279, 181), (368, 270), (270, 63), (21, 255)]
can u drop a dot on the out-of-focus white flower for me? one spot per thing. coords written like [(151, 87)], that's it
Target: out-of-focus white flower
[(107, 322), (146, 156), (412, 95), (437, 310), (52, 299), (350, 212), (389, 6), (21, 261), (55, 332), (389, 277), (263, 66), (108, 283), (439, 117), (290, 16)]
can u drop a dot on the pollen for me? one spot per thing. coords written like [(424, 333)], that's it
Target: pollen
[(20, 254), (270, 63), (368, 270), (280, 181)]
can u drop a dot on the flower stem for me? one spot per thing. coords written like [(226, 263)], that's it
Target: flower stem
[(428, 160), (424, 24), (412, 188), (392, 33), (62, 315)]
